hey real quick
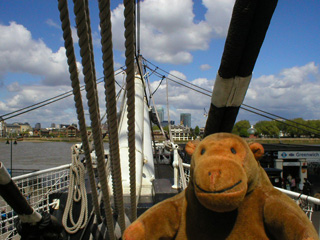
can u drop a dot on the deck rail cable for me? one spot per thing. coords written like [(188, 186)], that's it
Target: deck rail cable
[(257, 113), (206, 90), (243, 106), (130, 55), (155, 107), (67, 35), (49, 100), (63, 95), (111, 105), (80, 11), (168, 110)]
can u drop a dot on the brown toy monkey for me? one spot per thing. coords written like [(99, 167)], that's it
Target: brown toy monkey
[(229, 196)]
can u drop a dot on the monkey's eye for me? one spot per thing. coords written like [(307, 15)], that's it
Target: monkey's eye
[(233, 151), (202, 151)]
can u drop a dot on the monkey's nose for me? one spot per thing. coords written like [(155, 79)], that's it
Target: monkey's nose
[(213, 175)]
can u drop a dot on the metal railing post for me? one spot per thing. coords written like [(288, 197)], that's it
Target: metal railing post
[(175, 165)]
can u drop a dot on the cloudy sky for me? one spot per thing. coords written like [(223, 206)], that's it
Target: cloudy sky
[(183, 37)]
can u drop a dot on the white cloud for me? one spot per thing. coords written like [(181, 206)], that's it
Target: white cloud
[(218, 15), (14, 87), (74, 35), (182, 99), (205, 67), (168, 30), (292, 93), (19, 53), (26, 95), (52, 23)]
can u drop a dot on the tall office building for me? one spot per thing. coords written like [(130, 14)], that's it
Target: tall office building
[(185, 119), (37, 126), (2, 128), (160, 111)]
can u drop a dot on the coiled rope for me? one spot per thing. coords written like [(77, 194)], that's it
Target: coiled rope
[(111, 104), (86, 53), (77, 193), (130, 54), (68, 43)]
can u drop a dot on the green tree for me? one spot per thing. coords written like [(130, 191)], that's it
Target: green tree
[(197, 130), (295, 129), (314, 124), (267, 128), (166, 128), (241, 128), (282, 126), (155, 127)]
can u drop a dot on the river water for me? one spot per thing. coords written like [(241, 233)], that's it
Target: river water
[(35, 155)]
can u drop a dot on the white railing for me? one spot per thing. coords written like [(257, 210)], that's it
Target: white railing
[(36, 187), (304, 201)]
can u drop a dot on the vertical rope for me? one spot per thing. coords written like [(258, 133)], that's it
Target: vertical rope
[(90, 83), (90, 42), (129, 53), (111, 104), (105, 56), (67, 35)]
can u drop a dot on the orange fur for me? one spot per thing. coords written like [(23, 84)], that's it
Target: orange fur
[(229, 196)]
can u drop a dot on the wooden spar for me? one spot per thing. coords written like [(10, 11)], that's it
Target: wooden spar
[(249, 24)]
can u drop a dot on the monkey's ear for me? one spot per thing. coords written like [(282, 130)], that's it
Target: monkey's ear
[(257, 150), (191, 146)]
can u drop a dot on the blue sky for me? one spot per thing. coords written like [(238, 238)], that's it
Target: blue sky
[(182, 37)]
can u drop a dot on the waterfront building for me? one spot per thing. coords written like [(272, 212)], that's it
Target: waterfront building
[(185, 119), (17, 129), (181, 133), (201, 133)]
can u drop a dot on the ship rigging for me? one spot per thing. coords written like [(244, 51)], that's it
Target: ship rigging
[(126, 173)]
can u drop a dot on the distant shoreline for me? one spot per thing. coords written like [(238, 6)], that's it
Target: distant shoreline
[(306, 141)]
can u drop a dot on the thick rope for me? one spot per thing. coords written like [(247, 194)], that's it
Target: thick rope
[(76, 193), (111, 104), (130, 53), (91, 45), (67, 35), (86, 53)]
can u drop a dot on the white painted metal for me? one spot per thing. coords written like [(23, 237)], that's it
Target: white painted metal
[(4, 175), (175, 165), (144, 156), (301, 196)]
